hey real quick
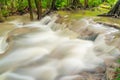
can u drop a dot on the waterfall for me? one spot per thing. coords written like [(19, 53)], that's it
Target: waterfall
[(40, 53)]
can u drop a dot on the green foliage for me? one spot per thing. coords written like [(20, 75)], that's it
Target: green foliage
[(44, 4), (19, 6), (92, 3), (5, 13), (118, 60), (61, 3), (111, 2), (117, 72)]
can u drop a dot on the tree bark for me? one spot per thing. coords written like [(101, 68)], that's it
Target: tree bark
[(115, 11), (12, 6), (53, 6), (49, 4), (104, 0), (38, 4), (75, 2), (68, 2), (85, 4), (1, 17), (30, 9)]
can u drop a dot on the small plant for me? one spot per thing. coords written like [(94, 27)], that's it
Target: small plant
[(117, 73)]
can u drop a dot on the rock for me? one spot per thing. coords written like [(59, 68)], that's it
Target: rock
[(110, 73), (109, 62), (93, 76), (96, 77), (74, 77)]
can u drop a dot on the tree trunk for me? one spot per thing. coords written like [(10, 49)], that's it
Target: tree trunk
[(104, 0), (75, 4), (38, 4), (12, 6), (30, 9), (1, 17), (53, 6), (68, 2), (49, 4), (85, 4), (115, 11)]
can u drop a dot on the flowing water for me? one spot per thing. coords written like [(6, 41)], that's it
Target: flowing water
[(43, 50)]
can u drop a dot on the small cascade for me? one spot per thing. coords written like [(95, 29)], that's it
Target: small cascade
[(46, 50)]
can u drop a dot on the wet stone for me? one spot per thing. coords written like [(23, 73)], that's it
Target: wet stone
[(100, 69)]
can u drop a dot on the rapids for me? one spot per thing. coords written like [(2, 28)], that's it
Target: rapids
[(42, 50)]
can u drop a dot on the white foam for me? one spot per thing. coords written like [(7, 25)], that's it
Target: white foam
[(48, 55)]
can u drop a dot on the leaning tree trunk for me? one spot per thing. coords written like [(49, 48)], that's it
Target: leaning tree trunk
[(115, 11)]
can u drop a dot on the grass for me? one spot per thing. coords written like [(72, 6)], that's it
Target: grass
[(117, 73), (83, 13)]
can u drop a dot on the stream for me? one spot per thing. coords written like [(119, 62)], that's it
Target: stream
[(47, 50)]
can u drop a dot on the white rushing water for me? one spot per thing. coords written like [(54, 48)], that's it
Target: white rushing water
[(47, 54)]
